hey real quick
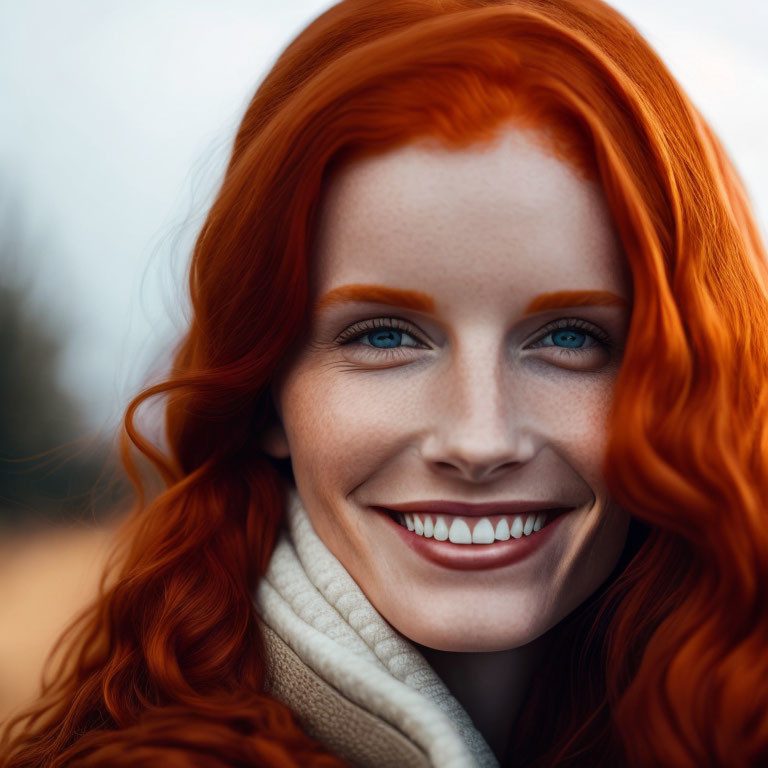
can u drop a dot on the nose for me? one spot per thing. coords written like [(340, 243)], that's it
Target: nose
[(477, 423)]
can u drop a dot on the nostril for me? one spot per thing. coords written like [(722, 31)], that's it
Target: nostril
[(474, 472)]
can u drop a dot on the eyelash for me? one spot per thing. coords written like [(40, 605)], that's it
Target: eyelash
[(598, 334), (360, 329)]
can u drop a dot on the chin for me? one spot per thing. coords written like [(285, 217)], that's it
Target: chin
[(475, 636)]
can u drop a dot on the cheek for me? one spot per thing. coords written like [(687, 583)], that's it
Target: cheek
[(572, 412), (343, 428)]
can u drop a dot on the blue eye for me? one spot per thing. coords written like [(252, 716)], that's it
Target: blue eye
[(573, 336), (384, 338), (382, 333), (569, 337), (389, 334)]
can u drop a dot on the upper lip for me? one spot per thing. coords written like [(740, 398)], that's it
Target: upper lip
[(476, 510)]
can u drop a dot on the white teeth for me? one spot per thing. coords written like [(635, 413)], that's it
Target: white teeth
[(502, 530), (441, 530), (459, 533), (529, 524), (483, 533)]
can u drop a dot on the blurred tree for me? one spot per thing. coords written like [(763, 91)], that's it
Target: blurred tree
[(49, 471)]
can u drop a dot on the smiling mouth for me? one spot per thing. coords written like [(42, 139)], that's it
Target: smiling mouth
[(459, 529)]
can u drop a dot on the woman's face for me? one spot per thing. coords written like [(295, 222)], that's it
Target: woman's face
[(458, 357)]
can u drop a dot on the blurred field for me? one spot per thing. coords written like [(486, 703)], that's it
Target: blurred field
[(45, 578)]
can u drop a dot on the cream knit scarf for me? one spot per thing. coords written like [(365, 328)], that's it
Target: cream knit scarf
[(311, 601)]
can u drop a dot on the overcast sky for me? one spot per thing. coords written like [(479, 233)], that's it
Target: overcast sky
[(116, 121)]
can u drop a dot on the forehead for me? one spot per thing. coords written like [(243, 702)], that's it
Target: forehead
[(490, 223)]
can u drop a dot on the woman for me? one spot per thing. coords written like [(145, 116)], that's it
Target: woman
[(478, 269)]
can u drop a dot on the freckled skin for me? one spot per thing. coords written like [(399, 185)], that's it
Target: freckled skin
[(468, 411)]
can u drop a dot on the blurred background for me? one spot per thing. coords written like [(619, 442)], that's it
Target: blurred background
[(116, 121)]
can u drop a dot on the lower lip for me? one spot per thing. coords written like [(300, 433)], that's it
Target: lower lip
[(477, 557)]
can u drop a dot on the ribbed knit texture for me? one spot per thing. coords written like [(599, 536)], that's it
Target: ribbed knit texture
[(311, 601)]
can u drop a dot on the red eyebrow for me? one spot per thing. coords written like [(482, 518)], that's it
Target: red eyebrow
[(423, 302), (561, 299), (377, 294)]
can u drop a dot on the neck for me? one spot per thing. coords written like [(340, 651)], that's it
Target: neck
[(491, 686)]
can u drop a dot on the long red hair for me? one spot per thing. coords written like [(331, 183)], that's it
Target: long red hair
[(668, 663)]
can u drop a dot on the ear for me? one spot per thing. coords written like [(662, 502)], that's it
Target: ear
[(274, 441)]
